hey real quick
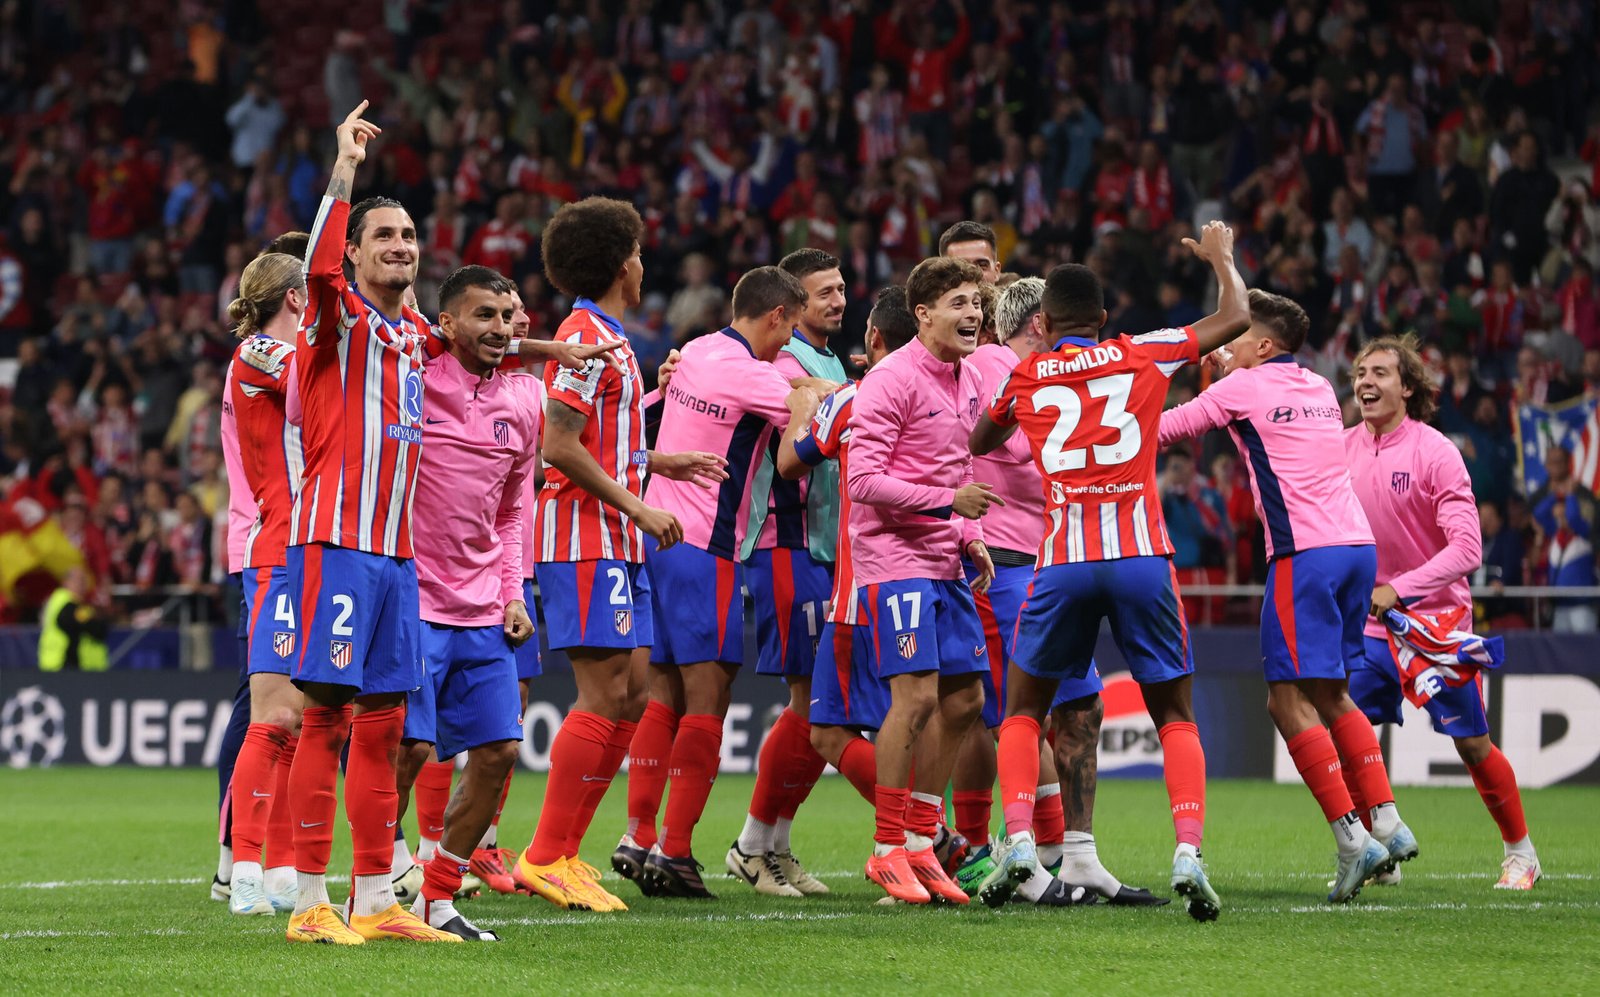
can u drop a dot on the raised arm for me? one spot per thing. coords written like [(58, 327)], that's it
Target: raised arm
[(1232, 316), (1195, 418), (325, 280)]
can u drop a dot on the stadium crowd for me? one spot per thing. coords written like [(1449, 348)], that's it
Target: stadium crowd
[(1388, 167)]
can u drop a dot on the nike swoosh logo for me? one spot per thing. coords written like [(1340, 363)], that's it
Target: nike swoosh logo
[(594, 778), (935, 412), (433, 422), (748, 877), (317, 823), (258, 794), (390, 824)]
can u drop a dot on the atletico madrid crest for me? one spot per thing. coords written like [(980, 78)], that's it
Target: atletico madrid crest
[(624, 621), (282, 644), (339, 654), (908, 645)]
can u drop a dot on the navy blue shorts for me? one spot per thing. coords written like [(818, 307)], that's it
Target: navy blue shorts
[(699, 605), (359, 619), (1315, 612), (528, 654), (790, 592), (924, 625), (845, 688), (470, 695), (998, 610), (596, 604), (273, 642), (1456, 711), (1060, 620)]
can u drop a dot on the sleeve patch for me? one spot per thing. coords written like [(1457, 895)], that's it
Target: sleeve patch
[(584, 383), (268, 356)]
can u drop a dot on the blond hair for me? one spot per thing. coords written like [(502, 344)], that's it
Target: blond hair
[(261, 289)]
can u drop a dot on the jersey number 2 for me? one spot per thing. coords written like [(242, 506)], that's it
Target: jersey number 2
[(1114, 389)]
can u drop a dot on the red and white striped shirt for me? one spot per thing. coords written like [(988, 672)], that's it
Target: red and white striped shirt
[(269, 444), (827, 437), (360, 375), (1092, 415), (571, 524)]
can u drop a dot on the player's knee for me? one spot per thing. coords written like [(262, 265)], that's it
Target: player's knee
[(413, 755), (829, 741), (495, 759), (1474, 750), (282, 715), (963, 704)]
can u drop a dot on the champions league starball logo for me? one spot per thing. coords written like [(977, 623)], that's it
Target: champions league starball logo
[(33, 729)]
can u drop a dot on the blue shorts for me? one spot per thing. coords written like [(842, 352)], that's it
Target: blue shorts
[(1060, 620), (845, 688), (699, 601), (528, 654), (924, 625), (998, 610), (596, 604), (1315, 611), (359, 619), (790, 592), (273, 641), (1456, 711), (470, 695)]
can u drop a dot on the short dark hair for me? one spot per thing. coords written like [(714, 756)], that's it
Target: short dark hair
[(805, 262), (933, 278), (892, 318), (356, 228), (1073, 295), (967, 231), (462, 279), (1284, 321), (765, 288), (588, 242), (290, 243), (1424, 401)]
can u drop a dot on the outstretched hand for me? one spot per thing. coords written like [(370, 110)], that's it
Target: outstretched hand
[(354, 133), (1215, 245)]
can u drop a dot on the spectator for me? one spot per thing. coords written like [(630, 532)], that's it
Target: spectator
[(1503, 559), (1517, 208), (1393, 127), (72, 632), (1344, 229), (698, 307), (1569, 563), (256, 117), (1196, 517), (1563, 502)]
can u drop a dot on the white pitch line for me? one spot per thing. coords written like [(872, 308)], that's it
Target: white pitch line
[(634, 919), (62, 884)]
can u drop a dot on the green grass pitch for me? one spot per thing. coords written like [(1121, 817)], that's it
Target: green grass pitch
[(104, 888)]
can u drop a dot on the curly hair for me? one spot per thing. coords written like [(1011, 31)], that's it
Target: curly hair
[(1423, 404), (587, 243)]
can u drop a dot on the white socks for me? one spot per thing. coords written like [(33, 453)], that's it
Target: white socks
[(439, 911), (1184, 848), (491, 838), (248, 870), (917, 843), (426, 848), (373, 895), (402, 858), (280, 879), (1523, 848), (1348, 834), (225, 864), (1385, 820), (311, 888), (780, 835), (1081, 865), (756, 838)]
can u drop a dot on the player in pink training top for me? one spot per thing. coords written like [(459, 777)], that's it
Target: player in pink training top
[(1285, 420), (266, 448), (1413, 486), (1091, 411), (726, 397), (481, 441), (914, 511)]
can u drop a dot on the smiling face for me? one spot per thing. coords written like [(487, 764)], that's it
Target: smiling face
[(479, 327), (384, 252), (823, 313), (1380, 391), (949, 326)]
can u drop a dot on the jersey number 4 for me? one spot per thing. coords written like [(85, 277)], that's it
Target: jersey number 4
[(1114, 389)]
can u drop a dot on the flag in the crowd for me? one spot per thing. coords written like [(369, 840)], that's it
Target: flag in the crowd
[(1575, 426), (1432, 651)]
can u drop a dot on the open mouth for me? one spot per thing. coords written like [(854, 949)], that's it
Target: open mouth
[(1368, 397), (967, 332)]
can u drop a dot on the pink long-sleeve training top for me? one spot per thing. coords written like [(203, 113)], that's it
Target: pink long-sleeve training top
[(479, 441), (908, 455), (1413, 486), (1286, 422)]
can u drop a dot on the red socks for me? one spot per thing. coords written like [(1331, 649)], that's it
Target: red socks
[(1050, 819), (922, 815), (432, 791), (859, 763), (1358, 746), (772, 765), (280, 826), (805, 767), (647, 770), (1318, 761), (441, 875), (891, 815), (973, 808), (323, 730), (505, 791), (1184, 768), (1019, 771), (576, 757), (696, 754), (253, 788), (1496, 783), (371, 800), (622, 733)]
